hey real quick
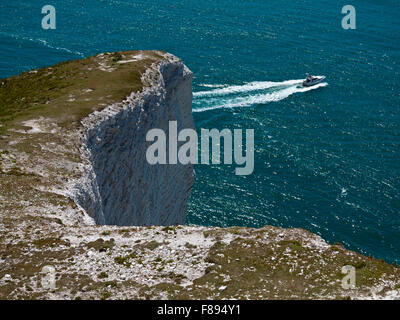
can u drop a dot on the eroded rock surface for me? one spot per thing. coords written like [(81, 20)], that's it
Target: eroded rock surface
[(119, 186), (72, 146)]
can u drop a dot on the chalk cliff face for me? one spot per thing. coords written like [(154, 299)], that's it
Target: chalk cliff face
[(81, 132), (73, 172), (119, 187)]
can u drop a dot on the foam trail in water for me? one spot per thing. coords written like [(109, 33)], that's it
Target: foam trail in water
[(46, 44), (248, 87), (42, 42), (248, 94), (212, 85)]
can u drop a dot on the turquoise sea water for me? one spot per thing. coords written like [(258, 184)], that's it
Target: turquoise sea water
[(327, 159)]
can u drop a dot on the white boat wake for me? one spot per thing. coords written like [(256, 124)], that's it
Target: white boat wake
[(247, 95)]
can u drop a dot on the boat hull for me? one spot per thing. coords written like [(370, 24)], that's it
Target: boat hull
[(314, 82)]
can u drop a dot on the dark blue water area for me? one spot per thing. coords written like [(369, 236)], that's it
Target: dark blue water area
[(326, 159)]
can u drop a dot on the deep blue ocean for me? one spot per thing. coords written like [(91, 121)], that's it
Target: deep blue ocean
[(326, 159)]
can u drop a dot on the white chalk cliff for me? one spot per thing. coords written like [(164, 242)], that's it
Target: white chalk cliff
[(119, 186), (73, 171)]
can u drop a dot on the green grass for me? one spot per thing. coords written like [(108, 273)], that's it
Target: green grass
[(123, 261), (49, 91), (101, 245)]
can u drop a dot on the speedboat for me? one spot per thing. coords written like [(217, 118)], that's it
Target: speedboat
[(312, 81)]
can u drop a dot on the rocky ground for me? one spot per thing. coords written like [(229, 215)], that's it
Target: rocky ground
[(180, 262)]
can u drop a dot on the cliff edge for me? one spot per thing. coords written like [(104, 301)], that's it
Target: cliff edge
[(79, 131), (79, 202)]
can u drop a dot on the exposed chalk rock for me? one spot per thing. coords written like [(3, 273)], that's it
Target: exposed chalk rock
[(72, 154), (120, 187)]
